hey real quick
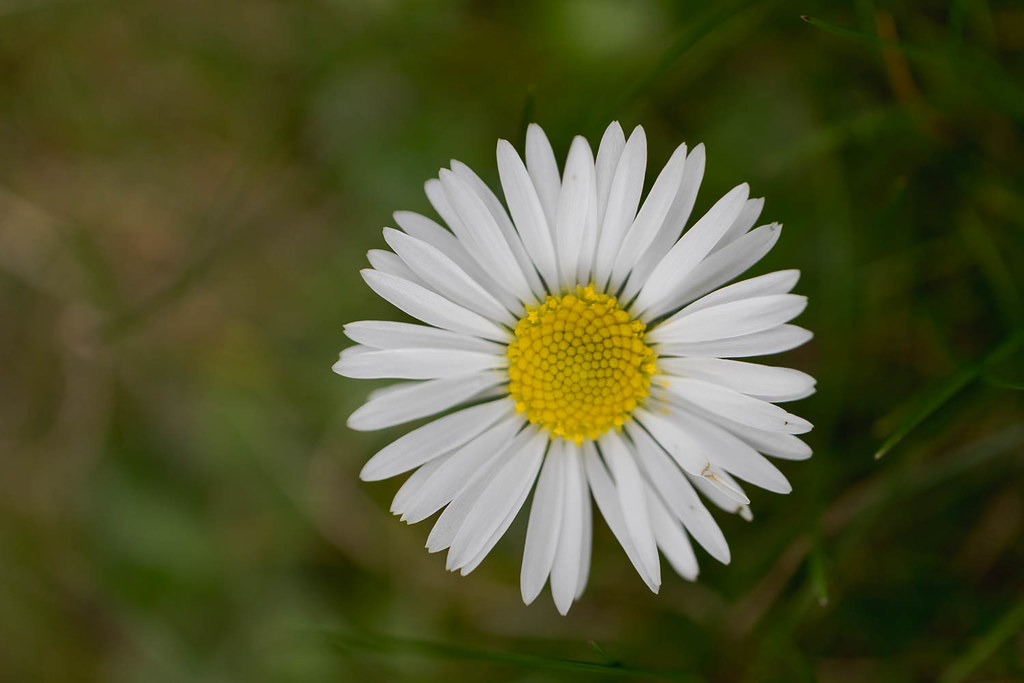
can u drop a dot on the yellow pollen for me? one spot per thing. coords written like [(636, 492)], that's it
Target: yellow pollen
[(579, 364)]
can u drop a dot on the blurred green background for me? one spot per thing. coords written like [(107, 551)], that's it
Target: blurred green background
[(187, 192)]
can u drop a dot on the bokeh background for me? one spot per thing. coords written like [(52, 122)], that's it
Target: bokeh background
[(187, 193)]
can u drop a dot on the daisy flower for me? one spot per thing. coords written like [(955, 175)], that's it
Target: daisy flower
[(581, 348)]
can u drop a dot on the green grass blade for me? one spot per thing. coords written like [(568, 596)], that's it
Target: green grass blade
[(975, 67), (944, 392), (985, 646), (374, 643)]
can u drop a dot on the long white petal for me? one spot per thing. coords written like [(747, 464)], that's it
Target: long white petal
[(609, 152), (632, 499), (779, 282), (735, 455), (678, 494), (687, 450), (542, 532), (680, 445), (565, 572), (498, 500), (450, 478), (458, 511), (775, 340), (623, 198), (388, 334), (732, 319), (527, 212), (482, 237), (510, 517), (508, 230), (360, 362), (423, 228), (444, 276), (763, 381), (543, 169), (432, 308), (413, 401), (650, 218), (724, 493), (672, 227), (744, 222), (672, 540), (607, 500), (734, 406), (387, 262), (433, 439), (775, 444), (723, 265), (415, 482), (669, 276), (574, 205), (588, 531)]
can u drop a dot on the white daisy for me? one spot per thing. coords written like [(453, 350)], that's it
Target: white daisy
[(576, 345)]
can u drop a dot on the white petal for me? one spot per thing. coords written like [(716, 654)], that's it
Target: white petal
[(672, 540), (510, 517), (776, 444), (732, 319), (482, 237), (660, 292), (727, 263), (724, 493), (432, 308), (744, 222), (387, 334), (734, 406), (587, 534), (413, 401), (607, 500), (433, 439), (412, 486), (684, 447), (682, 207), (461, 467), (565, 572), (503, 495), (762, 381), (651, 217), (680, 445), (632, 499), (360, 362), (608, 154), (389, 263), (623, 197), (423, 228), (775, 340), (678, 494), (458, 511), (493, 204), (779, 282), (443, 206), (735, 455), (445, 277), (527, 212), (545, 524), (540, 161), (672, 227), (574, 205)]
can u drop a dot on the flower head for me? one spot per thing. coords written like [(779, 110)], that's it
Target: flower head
[(577, 347)]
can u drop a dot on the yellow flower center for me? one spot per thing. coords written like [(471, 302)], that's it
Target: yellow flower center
[(579, 365)]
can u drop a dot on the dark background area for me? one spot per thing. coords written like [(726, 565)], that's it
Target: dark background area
[(187, 192)]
